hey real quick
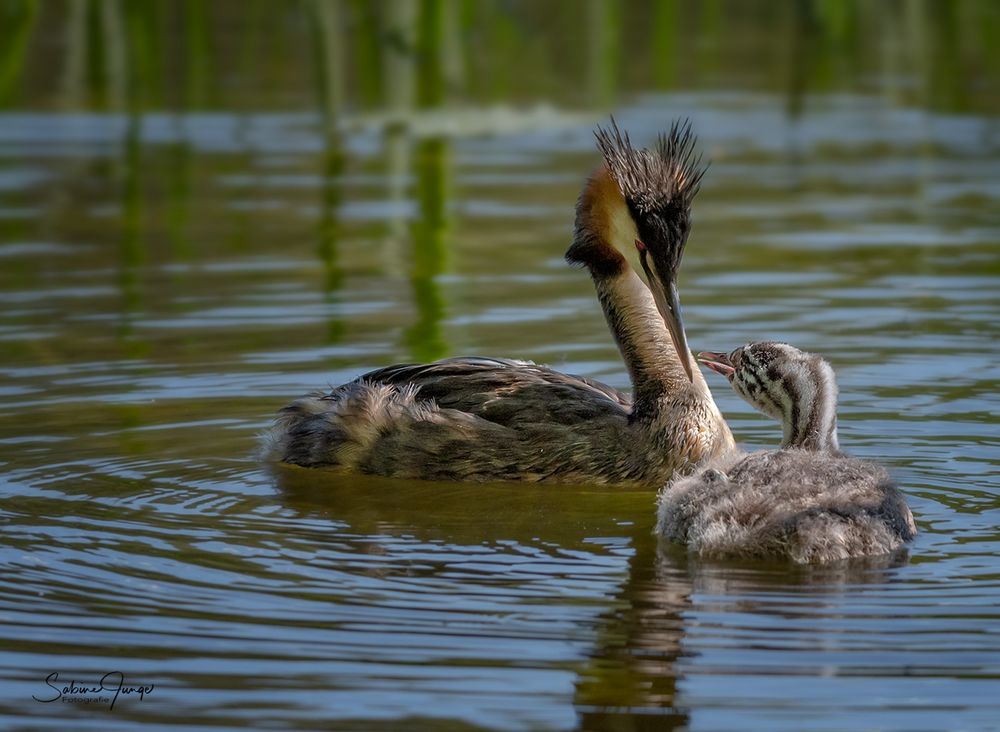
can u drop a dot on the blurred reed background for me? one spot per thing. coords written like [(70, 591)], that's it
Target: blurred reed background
[(353, 61)]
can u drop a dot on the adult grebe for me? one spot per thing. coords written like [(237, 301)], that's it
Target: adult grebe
[(482, 419), (807, 502)]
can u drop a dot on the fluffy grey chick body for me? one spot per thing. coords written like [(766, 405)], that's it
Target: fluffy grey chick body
[(483, 419), (807, 502)]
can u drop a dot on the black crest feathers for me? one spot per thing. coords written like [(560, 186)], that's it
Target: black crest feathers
[(652, 180)]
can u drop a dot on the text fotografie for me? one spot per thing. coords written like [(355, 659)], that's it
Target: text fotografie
[(112, 682)]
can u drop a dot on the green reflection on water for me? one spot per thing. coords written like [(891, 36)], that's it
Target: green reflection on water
[(430, 232)]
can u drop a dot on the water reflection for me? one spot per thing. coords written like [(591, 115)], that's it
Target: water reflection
[(501, 544), (424, 338), (630, 678), (209, 208), (329, 74), (637, 639), (133, 242)]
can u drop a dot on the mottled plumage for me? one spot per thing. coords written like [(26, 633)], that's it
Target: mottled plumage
[(807, 502), (480, 419)]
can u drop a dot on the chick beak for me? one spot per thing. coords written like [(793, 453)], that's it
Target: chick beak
[(669, 304), (718, 362)]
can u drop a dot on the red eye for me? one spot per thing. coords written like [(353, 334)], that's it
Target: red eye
[(640, 246)]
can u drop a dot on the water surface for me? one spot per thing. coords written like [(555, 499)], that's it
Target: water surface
[(172, 273)]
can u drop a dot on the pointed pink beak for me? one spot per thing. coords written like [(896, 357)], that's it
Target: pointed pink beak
[(718, 362)]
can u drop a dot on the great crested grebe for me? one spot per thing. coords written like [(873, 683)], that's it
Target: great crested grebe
[(483, 419), (807, 502)]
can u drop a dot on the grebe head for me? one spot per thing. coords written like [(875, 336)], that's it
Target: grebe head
[(794, 387), (643, 199)]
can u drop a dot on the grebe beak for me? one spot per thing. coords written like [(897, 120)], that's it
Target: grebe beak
[(669, 304), (718, 362)]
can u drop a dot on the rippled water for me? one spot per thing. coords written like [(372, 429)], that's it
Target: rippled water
[(169, 280)]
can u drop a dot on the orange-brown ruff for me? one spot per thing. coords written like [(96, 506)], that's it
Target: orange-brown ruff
[(807, 502), (484, 419)]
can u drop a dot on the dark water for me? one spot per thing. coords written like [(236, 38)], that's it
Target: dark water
[(180, 258)]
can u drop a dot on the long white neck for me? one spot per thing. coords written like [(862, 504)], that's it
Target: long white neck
[(637, 326)]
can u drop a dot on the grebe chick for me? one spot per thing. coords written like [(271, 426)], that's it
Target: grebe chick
[(483, 419), (807, 502)]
